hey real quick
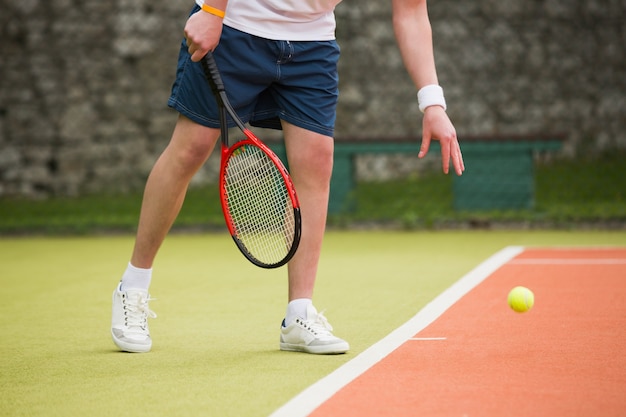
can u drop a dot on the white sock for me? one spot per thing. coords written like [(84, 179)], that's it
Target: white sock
[(297, 308), (136, 278)]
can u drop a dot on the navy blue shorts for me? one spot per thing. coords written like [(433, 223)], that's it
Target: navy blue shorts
[(265, 80)]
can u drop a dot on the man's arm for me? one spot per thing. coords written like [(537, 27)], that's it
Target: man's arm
[(414, 36)]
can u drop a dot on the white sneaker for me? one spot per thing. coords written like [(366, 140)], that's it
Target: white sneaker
[(311, 335), (129, 325)]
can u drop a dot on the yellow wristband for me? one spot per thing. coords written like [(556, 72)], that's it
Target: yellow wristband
[(213, 11)]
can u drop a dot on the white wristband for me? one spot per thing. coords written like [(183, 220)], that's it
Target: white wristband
[(430, 95)]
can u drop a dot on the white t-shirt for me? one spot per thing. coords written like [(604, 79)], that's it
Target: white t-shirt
[(293, 20)]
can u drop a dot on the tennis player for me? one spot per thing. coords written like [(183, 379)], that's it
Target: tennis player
[(278, 59)]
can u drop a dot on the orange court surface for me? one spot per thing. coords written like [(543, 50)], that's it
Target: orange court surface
[(468, 354)]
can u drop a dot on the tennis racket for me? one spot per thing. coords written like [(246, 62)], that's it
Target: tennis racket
[(258, 198)]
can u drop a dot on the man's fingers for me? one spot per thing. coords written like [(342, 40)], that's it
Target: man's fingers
[(451, 150), (454, 153), (457, 160), (196, 51), (197, 55), (445, 155), (425, 146)]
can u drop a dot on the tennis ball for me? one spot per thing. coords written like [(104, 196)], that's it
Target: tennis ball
[(521, 299)]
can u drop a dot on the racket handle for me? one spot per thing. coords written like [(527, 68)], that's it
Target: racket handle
[(212, 73)]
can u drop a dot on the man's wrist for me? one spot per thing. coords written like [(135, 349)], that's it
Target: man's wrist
[(430, 95), (213, 10)]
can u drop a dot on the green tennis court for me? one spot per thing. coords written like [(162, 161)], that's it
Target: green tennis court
[(216, 338)]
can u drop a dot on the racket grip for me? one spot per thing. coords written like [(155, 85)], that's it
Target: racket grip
[(212, 73)]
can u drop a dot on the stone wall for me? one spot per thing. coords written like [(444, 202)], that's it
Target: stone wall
[(83, 84)]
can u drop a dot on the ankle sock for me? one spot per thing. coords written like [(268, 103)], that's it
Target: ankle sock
[(136, 278), (297, 308)]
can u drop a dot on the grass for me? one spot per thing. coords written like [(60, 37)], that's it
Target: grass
[(569, 193), (97, 212)]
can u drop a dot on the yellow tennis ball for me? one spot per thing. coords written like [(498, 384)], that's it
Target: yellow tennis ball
[(521, 299)]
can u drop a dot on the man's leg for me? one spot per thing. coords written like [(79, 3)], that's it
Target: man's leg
[(310, 157), (310, 164), (190, 146)]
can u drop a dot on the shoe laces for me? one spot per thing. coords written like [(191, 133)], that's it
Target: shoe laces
[(319, 325), (136, 310)]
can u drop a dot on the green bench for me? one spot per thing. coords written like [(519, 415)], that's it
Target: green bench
[(499, 169)]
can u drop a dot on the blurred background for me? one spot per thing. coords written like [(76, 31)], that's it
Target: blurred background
[(536, 89)]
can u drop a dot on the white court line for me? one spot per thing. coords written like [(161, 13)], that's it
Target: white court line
[(566, 261), (312, 397)]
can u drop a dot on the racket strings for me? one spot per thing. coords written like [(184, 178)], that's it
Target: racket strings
[(259, 204)]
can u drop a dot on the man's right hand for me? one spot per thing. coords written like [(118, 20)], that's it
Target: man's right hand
[(202, 31)]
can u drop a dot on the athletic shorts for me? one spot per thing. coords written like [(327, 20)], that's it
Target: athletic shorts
[(265, 80)]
